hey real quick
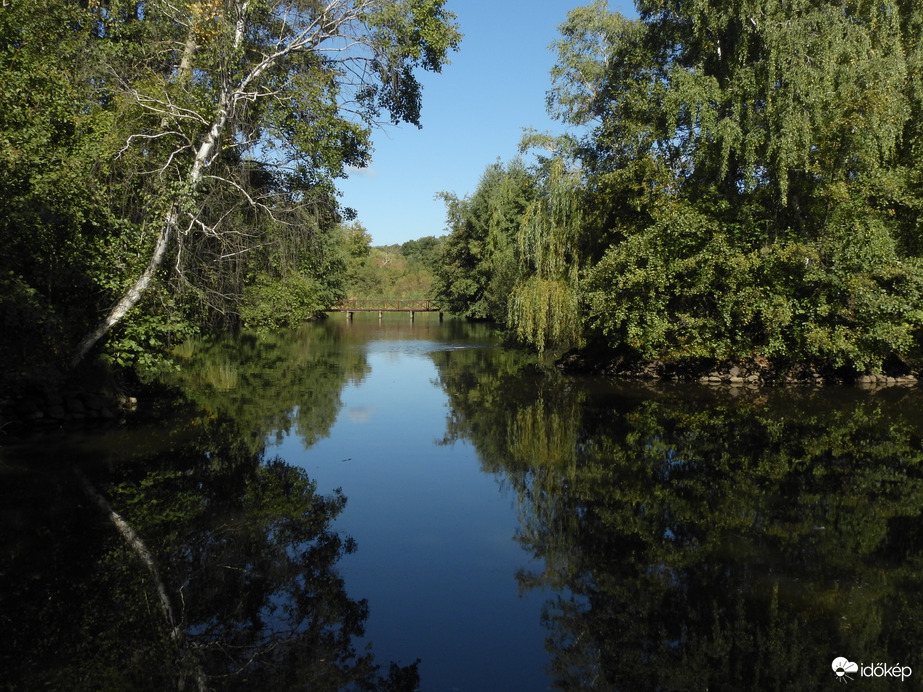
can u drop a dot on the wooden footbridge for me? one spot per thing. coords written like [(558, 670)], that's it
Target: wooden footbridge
[(383, 305)]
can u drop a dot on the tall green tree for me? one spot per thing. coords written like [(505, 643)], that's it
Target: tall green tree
[(206, 88), (480, 262), (53, 168), (544, 305), (751, 175)]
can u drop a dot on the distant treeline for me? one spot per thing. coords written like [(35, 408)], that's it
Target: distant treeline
[(390, 271)]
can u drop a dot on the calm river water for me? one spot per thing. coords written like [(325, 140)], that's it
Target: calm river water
[(396, 506)]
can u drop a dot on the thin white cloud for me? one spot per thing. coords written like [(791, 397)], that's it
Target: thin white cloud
[(360, 414)]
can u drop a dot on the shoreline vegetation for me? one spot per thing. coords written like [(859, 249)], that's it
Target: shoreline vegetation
[(736, 201), (168, 172), (753, 373), (75, 405)]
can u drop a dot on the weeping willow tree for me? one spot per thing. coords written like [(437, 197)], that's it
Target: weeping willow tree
[(478, 265), (544, 306), (754, 169)]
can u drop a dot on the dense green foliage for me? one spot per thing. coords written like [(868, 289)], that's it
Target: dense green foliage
[(479, 264), (52, 166), (780, 137), (170, 168), (743, 179), (392, 271), (748, 182)]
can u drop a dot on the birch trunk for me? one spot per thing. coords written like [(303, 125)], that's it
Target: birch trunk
[(133, 295), (350, 29), (168, 228), (138, 548)]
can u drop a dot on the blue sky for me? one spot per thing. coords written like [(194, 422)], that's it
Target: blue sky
[(474, 113)]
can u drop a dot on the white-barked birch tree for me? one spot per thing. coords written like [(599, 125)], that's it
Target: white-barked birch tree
[(209, 91)]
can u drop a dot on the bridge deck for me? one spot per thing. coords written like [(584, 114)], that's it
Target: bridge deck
[(387, 305)]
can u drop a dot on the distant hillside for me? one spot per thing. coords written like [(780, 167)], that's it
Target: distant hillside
[(390, 271)]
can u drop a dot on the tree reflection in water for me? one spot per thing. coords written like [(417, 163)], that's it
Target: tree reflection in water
[(699, 541), (691, 540), (246, 553), (243, 546)]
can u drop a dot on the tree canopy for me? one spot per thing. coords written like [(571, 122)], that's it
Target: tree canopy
[(748, 179), (480, 262), (186, 153)]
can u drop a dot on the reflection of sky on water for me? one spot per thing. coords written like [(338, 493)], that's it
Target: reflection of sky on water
[(436, 557)]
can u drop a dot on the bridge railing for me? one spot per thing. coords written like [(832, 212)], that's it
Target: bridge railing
[(387, 305)]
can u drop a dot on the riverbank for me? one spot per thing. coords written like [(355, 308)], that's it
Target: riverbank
[(754, 372), (65, 406), (92, 395)]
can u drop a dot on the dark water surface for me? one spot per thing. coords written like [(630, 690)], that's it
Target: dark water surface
[(323, 508)]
